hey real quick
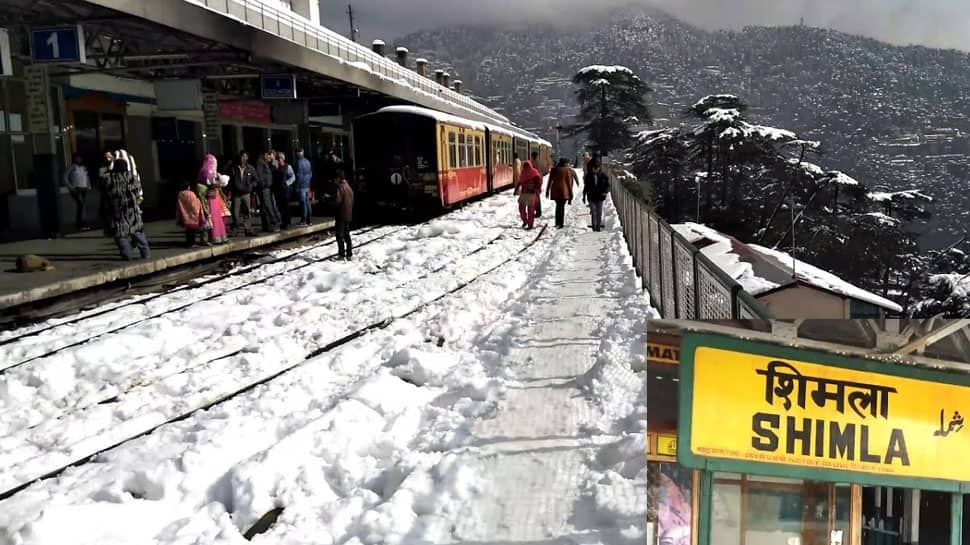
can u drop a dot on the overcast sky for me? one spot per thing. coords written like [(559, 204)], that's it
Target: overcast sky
[(934, 23)]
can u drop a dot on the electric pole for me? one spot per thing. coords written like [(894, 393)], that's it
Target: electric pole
[(353, 29)]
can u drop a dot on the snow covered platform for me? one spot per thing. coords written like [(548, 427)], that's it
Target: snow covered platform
[(89, 259), (461, 381)]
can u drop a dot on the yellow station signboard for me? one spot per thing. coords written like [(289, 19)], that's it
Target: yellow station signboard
[(759, 408)]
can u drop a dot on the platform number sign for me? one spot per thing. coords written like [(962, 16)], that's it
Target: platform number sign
[(57, 44), (279, 86), (6, 66)]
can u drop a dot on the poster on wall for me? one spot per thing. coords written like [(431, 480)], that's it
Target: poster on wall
[(671, 498), (776, 406)]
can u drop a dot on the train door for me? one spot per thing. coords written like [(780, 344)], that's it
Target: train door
[(491, 160)]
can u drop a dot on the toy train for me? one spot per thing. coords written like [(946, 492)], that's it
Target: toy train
[(412, 157)]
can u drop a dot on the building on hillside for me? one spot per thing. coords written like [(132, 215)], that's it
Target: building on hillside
[(815, 432), (790, 288)]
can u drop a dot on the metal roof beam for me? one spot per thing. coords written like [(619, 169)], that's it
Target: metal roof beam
[(926, 339)]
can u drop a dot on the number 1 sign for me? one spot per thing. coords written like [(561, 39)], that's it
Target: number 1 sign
[(57, 44)]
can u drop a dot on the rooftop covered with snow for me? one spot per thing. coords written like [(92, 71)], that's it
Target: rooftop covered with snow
[(760, 270)]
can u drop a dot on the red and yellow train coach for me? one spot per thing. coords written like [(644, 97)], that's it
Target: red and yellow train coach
[(408, 156)]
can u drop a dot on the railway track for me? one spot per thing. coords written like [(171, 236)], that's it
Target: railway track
[(142, 381), (67, 458), (5, 366)]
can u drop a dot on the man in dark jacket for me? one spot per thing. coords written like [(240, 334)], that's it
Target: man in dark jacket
[(282, 180), (343, 216), (243, 182), (595, 188), (264, 192)]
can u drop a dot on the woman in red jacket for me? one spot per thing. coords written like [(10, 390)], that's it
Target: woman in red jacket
[(561, 190), (528, 188)]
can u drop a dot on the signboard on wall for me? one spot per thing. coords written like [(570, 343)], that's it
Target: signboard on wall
[(210, 110), (663, 352), (807, 413), (251, 111), (57, 44), (278, 86), (37, 85), (6, 64)]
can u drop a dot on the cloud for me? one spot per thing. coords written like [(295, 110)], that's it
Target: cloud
[(937, 23)]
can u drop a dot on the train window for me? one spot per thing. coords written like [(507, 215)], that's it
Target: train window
[(462, 152), (452, 151), (478, 150)]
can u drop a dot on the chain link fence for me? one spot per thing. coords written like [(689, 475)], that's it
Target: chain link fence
[(682, 282)]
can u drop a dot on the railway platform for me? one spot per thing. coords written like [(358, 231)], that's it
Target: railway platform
[(89, 259)]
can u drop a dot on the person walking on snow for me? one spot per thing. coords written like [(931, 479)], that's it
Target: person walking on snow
[(561, 189), (78, 183), (530, 184), (304, 178), (264, 187), (343, 217), (516, 169), (242, 184), (124, 221), (535, 165), (595, 188)]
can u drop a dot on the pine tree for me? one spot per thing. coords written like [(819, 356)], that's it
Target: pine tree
[(611, 101)]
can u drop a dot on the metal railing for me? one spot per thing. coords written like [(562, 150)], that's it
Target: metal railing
[(291, 26), (682, 282)]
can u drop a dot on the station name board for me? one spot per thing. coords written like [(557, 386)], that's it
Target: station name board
[(790, 410)]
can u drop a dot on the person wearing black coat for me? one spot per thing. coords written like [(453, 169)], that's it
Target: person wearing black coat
[(596, 186), (264, 192), (243, 177)]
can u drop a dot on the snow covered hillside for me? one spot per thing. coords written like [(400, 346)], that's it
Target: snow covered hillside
[(888, 115), (499, 396)]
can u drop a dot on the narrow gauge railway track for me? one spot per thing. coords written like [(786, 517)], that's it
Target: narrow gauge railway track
[(11, 365), (10, 488), (140, 381), (210, 279)]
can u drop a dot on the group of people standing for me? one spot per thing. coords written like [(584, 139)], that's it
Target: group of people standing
[(121, 200), (205, 212), (562, 178)]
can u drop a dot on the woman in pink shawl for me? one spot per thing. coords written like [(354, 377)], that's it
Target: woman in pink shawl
[(210, 190)]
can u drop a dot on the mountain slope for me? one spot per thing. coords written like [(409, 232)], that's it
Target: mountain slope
[(889, 116)]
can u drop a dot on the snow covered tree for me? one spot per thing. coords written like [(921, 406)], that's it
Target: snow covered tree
[(941, 285), (754, 183), (660, 159), (611, 101)]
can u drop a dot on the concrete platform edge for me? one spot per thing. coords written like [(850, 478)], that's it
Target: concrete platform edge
[(136, 269)]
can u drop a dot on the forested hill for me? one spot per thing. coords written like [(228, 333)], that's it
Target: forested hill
[(889, 116)]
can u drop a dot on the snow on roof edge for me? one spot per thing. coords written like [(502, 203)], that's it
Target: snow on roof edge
[(457, 120), (722, 254), (823, 279)]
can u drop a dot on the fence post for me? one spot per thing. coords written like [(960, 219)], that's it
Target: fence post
[(735, 303), (697, 287), (645, 250), (676, 279)]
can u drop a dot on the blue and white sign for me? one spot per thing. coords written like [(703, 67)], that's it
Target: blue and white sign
[(278, 86), (57, 44), (6, 66)]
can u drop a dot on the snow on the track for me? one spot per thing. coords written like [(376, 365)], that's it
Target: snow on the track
[(511, 410)]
